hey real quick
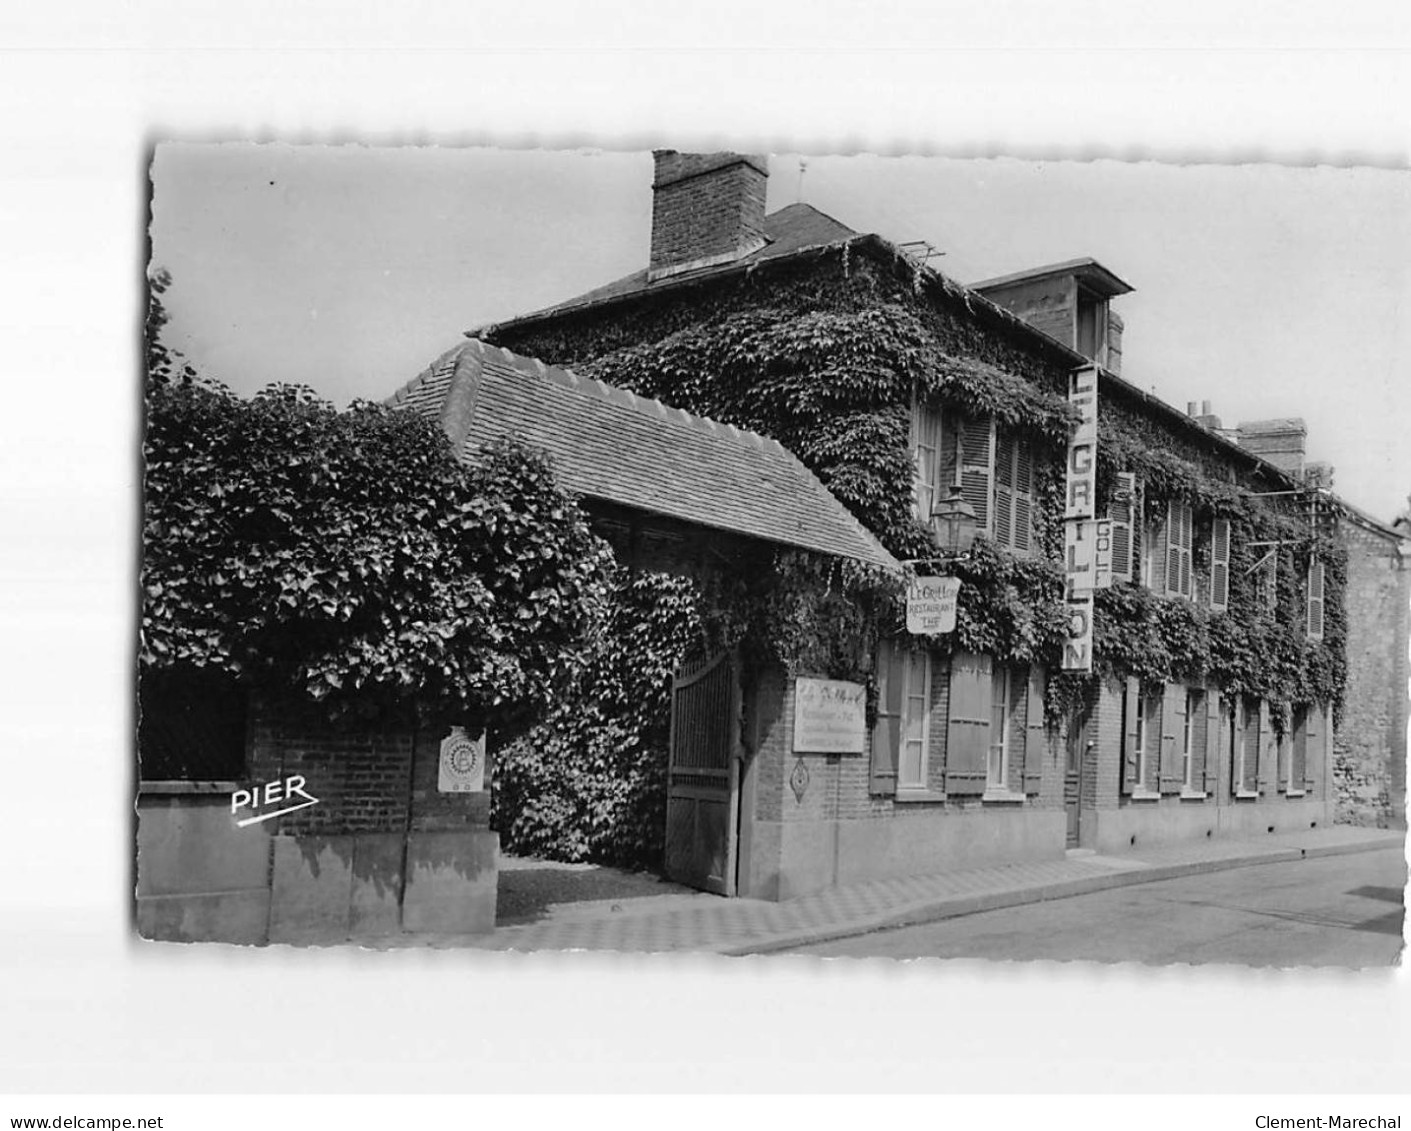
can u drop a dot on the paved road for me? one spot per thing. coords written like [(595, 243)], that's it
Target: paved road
[(1329, 911)]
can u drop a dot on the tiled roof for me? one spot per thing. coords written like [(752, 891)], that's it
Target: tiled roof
[(608, 444), (789, 230)]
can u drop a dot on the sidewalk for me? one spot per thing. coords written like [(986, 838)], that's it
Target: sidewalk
[(713, 924)]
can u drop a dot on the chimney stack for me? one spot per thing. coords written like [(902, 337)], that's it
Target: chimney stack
[(1280, 441), (707, 209)]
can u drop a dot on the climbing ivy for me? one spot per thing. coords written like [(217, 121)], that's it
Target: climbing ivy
[(824, 356)]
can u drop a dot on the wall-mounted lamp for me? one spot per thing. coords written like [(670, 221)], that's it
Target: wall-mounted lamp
[(955, 522)]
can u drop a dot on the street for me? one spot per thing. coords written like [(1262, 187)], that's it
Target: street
[(1332, 911)]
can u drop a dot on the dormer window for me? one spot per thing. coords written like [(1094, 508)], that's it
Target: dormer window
[(1092, 326)]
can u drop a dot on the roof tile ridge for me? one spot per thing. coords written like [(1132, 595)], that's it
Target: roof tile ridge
[(406, 390)]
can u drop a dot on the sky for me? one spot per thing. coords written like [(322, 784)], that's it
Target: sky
[(1268, 290)]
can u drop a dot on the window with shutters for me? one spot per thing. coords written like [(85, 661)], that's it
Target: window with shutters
[(915, 720), (1193, 741), (1179, 535), (1141, 740), (1123, 513), (997, 776), (1220, 565), (1316, 580), (1266, 582), (930, 481), (1245, 738), (1307, 720), (968, 447), (1013, 493), (1153, 551)]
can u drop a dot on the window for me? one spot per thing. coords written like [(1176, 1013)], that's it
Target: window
[(1266, 581), (1245, 736), (916, 721), (1092, 326), (1192, 740), (997, 768), (1154, 552), (1316, 581), (1141, 740), (1014, 493), (1307, 747), (901, 737), (930, 479)]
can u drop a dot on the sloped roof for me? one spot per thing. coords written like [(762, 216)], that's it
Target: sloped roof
[(608, 444), (786, 231)]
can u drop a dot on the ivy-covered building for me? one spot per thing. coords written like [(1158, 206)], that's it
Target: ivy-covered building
[(1218, 662)]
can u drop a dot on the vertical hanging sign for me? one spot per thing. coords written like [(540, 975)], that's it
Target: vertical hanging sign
[(1082, 555)]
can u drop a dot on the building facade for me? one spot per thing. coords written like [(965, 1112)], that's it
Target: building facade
[(1219, 639)]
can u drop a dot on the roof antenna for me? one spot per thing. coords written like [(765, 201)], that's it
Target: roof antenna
[(803, 167)]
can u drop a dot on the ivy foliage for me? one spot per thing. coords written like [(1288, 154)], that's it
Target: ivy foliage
[(589, 783), (347, 555), (835, 387)]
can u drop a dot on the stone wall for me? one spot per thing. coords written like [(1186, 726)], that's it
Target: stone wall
[(1369, 769)]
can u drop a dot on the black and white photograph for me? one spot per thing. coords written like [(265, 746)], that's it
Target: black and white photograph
[(745, 553)]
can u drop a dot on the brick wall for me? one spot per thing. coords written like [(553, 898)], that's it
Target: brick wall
[(1369, 781), (367, 780), (705, 205)]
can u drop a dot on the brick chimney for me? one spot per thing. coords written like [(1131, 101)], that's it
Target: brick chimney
[(1280, 441), (707, 209)]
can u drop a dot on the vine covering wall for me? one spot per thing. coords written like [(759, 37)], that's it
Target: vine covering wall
[(823, 355)]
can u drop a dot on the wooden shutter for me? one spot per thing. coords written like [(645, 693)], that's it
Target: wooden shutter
[(968, 728), (1220, 564), (1173, 717), (1213, 745), (1035, 733), (1267, 762), (1298, 750), (1313, 749), (1250, 739), (1122, 511), (886, 734), (977, 469), (1178, 550), (1316, 577), (1004, 490), (1130, 760), (1023, 498)]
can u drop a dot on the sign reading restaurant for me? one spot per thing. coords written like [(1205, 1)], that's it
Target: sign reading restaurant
[(930, 605), (830, 717)]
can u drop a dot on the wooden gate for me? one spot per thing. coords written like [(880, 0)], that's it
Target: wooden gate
[(702, 776)]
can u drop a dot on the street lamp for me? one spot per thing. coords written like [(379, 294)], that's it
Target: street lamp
[(955, 522)]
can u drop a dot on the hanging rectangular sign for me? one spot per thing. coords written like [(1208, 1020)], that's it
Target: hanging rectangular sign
[(830, 716), (1102, 554), (930, 605)]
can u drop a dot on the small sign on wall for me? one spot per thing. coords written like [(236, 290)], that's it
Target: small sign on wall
[(930, 605), (462, 762), (830, 716)]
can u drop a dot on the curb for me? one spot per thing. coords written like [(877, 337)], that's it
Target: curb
[(934, 911)]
